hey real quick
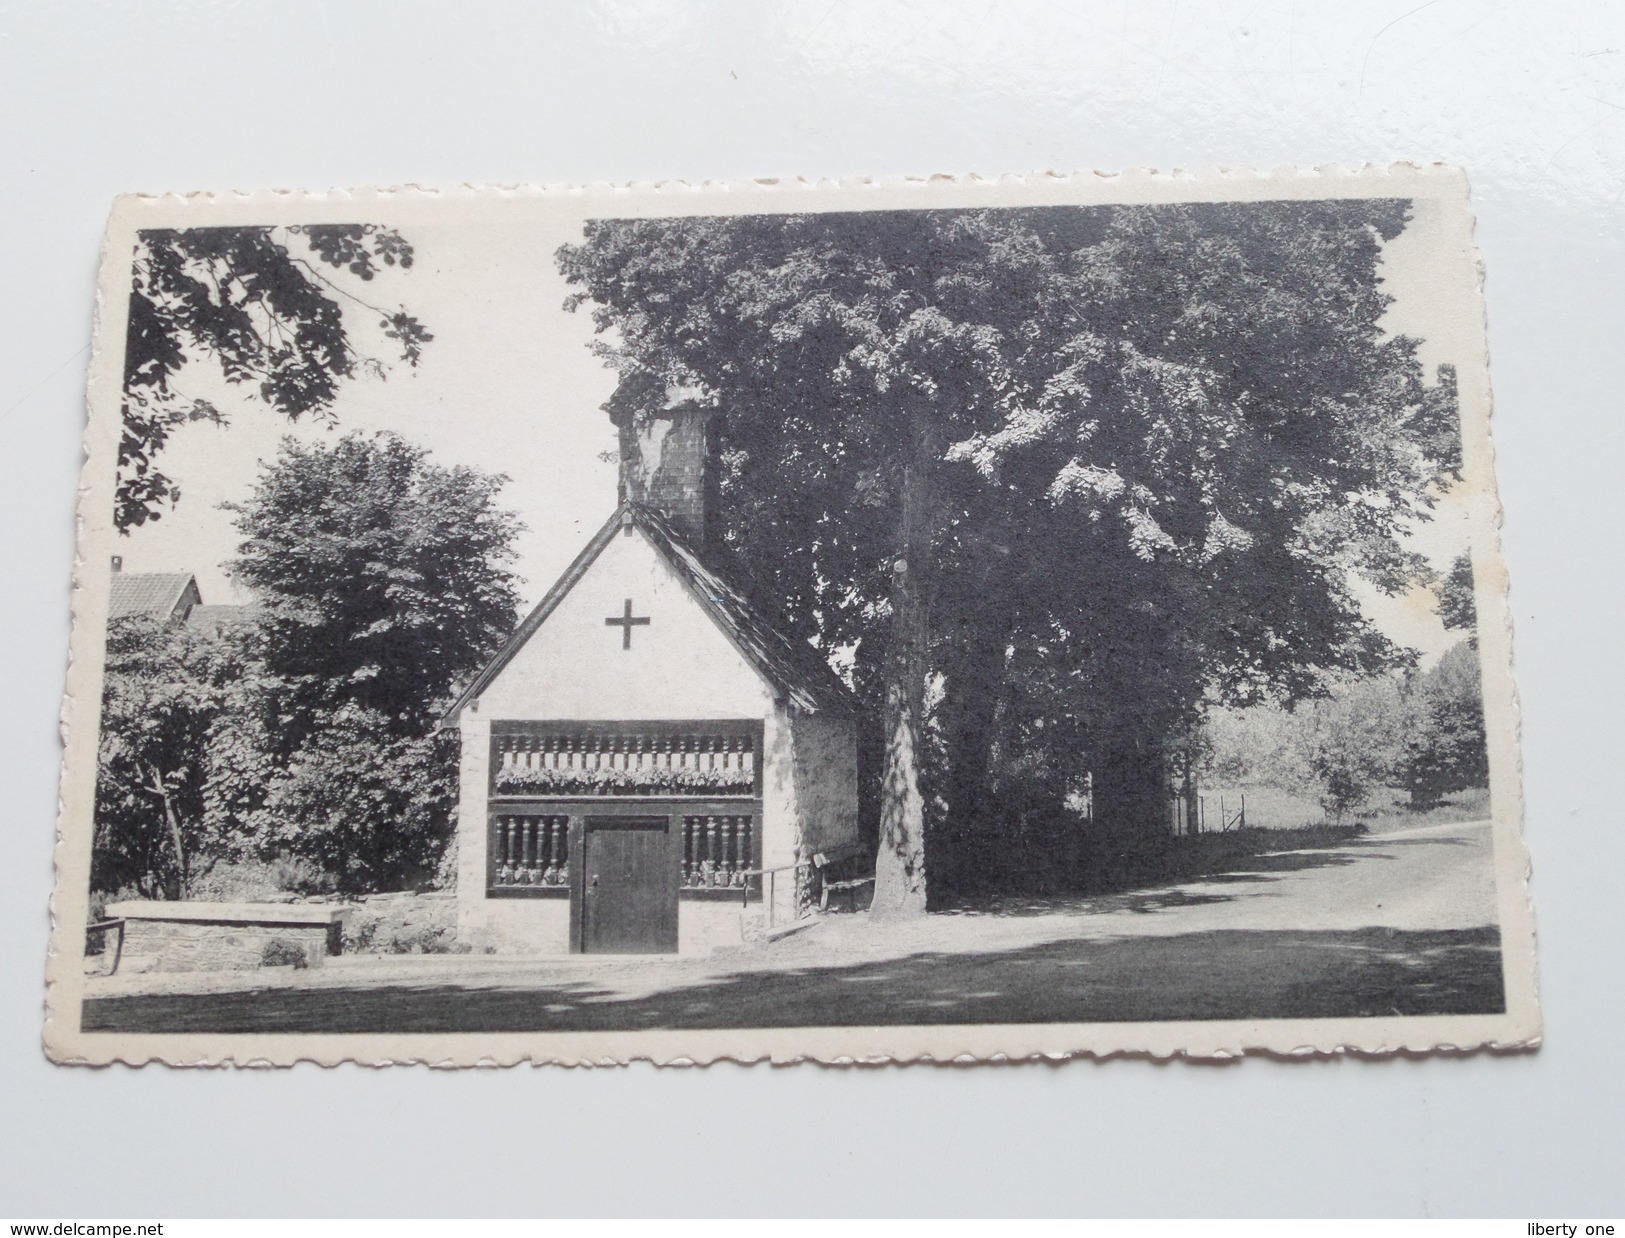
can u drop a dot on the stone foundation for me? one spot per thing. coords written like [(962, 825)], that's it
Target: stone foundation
[(542, 926)]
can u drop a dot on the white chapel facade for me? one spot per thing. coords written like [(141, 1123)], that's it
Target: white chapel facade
[(648, 758)]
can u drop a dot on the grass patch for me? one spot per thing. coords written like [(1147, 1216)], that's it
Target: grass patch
[(1389, 808), (1218, 853)]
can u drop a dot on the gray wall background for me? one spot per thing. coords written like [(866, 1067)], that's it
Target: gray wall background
[(182, 95)]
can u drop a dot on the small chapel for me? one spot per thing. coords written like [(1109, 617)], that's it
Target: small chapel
[(649, 763)]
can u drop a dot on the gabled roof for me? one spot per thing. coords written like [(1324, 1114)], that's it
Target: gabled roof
[(149, 593), (797, 670)]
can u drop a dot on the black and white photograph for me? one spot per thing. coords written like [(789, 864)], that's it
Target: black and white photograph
[(863, 621)]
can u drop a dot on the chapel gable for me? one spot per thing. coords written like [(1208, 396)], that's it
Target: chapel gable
[(650, 760)]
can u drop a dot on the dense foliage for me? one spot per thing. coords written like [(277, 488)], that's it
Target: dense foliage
[(1445, 744), (164, 691), (265, 315), (1457, 607), (1422, 733), (307, 738), (381, 578), (1077, 469), (372, 809)]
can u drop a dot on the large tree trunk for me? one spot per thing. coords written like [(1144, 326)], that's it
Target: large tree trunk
[(900, 862), (176, 837), (1190, 799), (973, 687)]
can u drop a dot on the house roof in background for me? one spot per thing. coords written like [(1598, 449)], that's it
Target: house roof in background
[(150, 593)]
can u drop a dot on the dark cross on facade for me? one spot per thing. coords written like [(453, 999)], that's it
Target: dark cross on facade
[(626, 623)]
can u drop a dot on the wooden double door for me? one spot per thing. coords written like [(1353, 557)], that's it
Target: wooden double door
[(625, 896)]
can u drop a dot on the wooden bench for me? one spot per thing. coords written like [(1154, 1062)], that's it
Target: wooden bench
[(821, 863), (828, 862)]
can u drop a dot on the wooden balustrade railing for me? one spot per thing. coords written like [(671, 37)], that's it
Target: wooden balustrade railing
[(530, 851), (716, 852), (624, 764)]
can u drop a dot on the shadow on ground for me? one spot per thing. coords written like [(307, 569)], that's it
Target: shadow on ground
[(1250, 857), (1242, 974)]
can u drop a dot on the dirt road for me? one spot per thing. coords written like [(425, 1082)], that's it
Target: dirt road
[(1399, 923)]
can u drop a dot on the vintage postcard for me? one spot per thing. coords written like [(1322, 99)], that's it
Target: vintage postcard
[(950, 619)]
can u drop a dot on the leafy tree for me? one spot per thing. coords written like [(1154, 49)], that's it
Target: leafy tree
[(164, 689), (841, 386), (1423, 733), (245, 758), (1456, 604), (1256, 745), (1080, 467), (1353, 743), (1228, 437), (267, 316), (1337, 749), (380, 578), (1446, 749), (381, 584), (372, 808)]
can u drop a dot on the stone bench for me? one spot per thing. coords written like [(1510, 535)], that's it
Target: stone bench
[(182, 936)]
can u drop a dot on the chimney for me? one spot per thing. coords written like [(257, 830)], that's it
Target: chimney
[(118, 563), (663, 463)]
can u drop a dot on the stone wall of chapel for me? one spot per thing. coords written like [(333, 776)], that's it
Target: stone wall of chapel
[(520, 926), (514, 925), (473, 781), (825, 775), (809, 794), (779, 839), (680, 665)]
